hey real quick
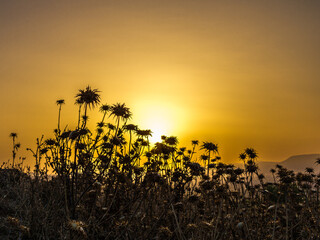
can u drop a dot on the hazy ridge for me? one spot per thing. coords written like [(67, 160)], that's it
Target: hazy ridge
[(297, 163)]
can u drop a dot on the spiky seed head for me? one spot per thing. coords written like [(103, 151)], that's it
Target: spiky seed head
[(60, 102)]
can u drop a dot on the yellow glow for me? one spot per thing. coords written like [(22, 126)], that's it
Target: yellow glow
[(215, 71), (158, 120), (159, 126), (160, 117)]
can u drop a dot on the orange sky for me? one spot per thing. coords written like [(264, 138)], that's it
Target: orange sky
[(238, 73)]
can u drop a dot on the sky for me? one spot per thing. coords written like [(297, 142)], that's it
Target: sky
[(236, 73)]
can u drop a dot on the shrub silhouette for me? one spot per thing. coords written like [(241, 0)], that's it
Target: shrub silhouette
[(111, 183)]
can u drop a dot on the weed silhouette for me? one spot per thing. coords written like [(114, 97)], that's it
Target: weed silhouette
[(111, 183)]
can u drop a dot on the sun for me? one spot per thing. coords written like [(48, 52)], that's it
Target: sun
[(159, 126), (159, 118)]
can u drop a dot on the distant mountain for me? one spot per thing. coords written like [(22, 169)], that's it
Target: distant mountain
[(297, 163)]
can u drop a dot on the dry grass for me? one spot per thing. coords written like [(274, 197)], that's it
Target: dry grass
[(110, 184)]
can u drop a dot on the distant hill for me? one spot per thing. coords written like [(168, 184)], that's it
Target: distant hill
[(300, 162), (297, 163)]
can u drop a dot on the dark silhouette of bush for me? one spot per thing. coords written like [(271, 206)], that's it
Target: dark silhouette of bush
[(110, 183)]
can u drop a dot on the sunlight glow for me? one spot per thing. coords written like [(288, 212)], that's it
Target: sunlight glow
[(159, 126), (160, 117)]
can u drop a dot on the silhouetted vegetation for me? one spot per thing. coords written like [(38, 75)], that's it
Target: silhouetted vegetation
[(111, 183)]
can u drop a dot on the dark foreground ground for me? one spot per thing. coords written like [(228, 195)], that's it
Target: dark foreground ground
[(148, 205)]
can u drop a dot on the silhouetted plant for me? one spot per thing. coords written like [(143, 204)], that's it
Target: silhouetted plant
[(111, 183), (15, 147), (209, 147), (90, 98), (59, 102)]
